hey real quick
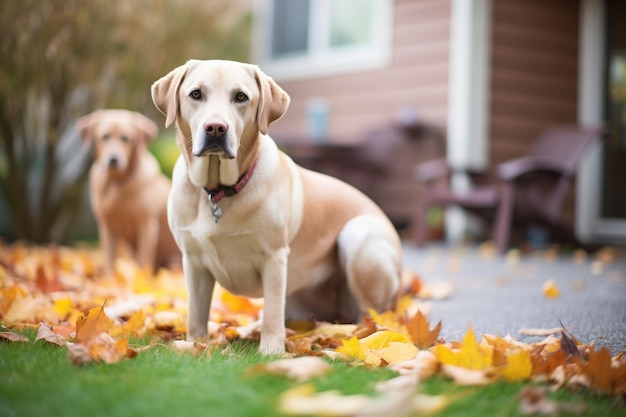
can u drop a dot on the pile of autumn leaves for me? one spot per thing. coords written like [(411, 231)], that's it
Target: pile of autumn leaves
[(61, 292)]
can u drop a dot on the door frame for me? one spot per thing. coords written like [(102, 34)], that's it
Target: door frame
[(591, 227)]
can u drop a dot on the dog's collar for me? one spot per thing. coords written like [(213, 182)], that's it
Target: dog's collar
[(222, 191)]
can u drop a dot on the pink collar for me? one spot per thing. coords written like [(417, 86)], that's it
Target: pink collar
[(229, 190)]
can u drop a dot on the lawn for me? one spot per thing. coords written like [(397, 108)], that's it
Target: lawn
[(62, 295), (37, 379)]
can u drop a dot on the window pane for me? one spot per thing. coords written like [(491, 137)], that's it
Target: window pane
[(290, 27), (351, 22)]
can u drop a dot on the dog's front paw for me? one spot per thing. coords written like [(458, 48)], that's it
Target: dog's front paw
[(272, 346)]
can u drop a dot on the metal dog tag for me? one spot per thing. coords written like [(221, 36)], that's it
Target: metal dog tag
[(215, 209)]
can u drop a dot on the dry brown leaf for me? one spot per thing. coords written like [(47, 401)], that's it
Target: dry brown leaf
[(13, 337), (534, 402), (539, 332), (185, 346), (47, 333), (605, 375)]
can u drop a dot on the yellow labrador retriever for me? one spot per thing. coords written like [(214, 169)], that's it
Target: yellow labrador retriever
[(245, 215), (128, 192)]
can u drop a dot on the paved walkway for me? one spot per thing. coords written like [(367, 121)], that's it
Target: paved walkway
[(504, 294)]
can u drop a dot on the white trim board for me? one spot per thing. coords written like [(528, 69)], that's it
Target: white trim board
[(590, 226)]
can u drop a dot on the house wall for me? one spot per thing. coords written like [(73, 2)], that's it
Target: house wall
[(416, 81), (416, 78), (534, 81)]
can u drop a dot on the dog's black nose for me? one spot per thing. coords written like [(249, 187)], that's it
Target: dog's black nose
[(113, 162), (215, 129)]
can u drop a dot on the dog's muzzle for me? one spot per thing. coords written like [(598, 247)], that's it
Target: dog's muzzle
[(213, 140)]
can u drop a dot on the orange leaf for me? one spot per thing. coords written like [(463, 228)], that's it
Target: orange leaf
[(238, 304), (420, 331), (94, 323), (605, 375)]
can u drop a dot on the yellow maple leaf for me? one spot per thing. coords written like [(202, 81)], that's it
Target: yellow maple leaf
[(471, 355), (351, 348), (519, 365), (388, 319), (95, 322), (382, 339), (398, 352)]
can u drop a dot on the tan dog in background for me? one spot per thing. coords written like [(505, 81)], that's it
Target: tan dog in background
[(127, 189), (245, 215)]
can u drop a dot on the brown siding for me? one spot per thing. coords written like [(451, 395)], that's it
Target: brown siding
[(534, 73), (417, 77)]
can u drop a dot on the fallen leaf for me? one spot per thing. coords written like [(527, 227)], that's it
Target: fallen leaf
[(89, 326), (534, 401), (550, 289), (465, 376), (13, 337), (382, 339), (519, 366), (605, 375), (424, 365), (437, 290), (471, 355), (421, 334), (569, 344), (46, 333), (352, 349), (303, 400), (184, 346), (539, 332), (386, 320), (99, 348), (299, 369)]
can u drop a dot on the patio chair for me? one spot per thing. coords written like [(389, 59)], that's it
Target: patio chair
[(528, 190)]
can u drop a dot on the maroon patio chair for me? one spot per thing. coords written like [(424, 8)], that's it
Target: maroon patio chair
[(527, 191)]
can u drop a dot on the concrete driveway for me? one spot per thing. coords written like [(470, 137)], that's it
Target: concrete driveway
[(503, 294)]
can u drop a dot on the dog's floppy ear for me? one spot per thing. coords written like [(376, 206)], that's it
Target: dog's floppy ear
[(86, 125), (165, 93), (146, 127), (273, 101)]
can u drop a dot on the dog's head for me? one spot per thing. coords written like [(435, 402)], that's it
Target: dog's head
[(117, 136), (220, 107)]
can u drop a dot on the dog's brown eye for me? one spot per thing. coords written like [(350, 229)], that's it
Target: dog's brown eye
[(124, 138), (196, 94), (241, 97), (105, 136)]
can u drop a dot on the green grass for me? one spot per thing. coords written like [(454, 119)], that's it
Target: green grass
[(37, 379)]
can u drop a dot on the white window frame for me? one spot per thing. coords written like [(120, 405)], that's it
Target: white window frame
[(321, 59)]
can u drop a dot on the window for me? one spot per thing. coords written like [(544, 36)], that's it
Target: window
[(307, 38)]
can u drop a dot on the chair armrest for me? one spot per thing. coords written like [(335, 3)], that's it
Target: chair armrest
[(515, 168), (430, 171)]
